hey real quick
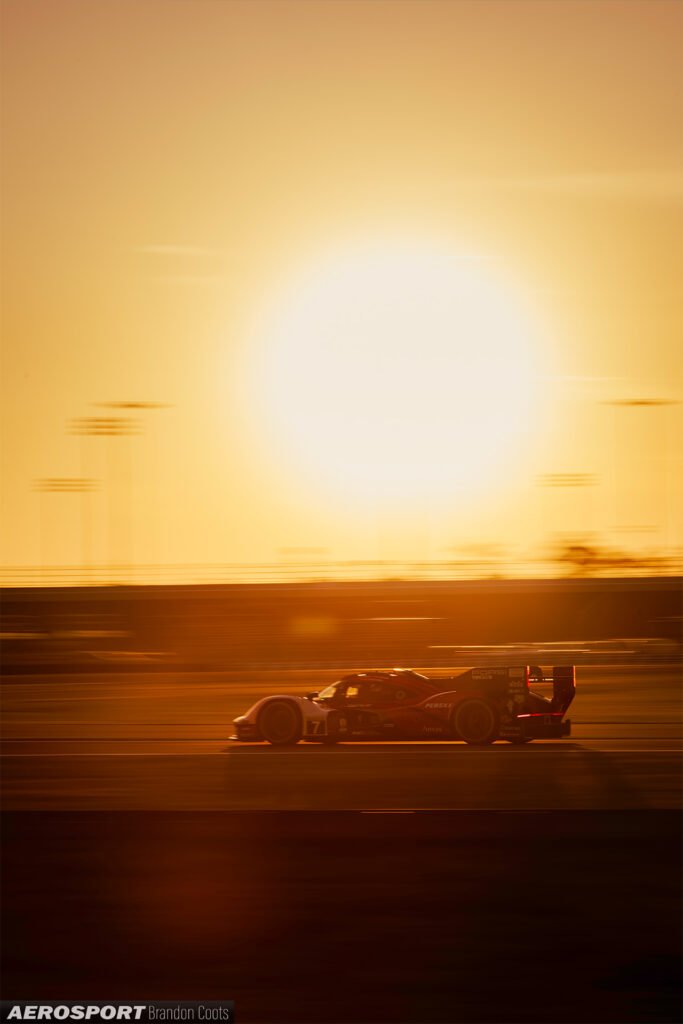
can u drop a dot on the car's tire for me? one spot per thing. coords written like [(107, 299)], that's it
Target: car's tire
[(279, 722), (475, 721)]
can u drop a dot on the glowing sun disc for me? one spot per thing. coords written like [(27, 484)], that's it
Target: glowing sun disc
[(388, 369)]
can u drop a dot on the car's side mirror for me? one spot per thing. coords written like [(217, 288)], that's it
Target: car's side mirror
[(536, 674), (312, 695)]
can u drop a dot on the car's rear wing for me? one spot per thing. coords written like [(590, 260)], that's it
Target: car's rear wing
[(564, 687), (563, 680)]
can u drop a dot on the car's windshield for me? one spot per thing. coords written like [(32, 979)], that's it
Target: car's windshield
[(328, 692)]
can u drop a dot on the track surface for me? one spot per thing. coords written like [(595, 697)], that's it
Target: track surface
[(324, 884), (160, 743)]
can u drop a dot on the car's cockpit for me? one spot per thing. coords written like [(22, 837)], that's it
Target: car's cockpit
[(374, 688)]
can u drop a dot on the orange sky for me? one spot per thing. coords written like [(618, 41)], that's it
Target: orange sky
[(167, 165)]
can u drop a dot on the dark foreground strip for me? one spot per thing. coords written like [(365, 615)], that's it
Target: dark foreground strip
[(439, 917)]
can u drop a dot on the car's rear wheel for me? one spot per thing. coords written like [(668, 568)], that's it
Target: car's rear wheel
[(280, 723), (475, 721)]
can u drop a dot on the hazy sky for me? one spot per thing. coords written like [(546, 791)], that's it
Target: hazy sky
[(175, 174)]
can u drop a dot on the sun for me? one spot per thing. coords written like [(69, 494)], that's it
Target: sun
[(391, 369)]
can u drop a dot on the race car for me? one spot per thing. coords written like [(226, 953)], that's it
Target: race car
[(478, 705)]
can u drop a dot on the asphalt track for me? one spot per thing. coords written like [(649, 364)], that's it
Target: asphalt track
[(389, 884), (158, 742)]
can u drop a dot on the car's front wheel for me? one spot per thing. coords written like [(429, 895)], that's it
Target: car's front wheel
[(475, 721), (280, 723)]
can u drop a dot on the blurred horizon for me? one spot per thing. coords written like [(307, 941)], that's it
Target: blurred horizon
[(577, 561)]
